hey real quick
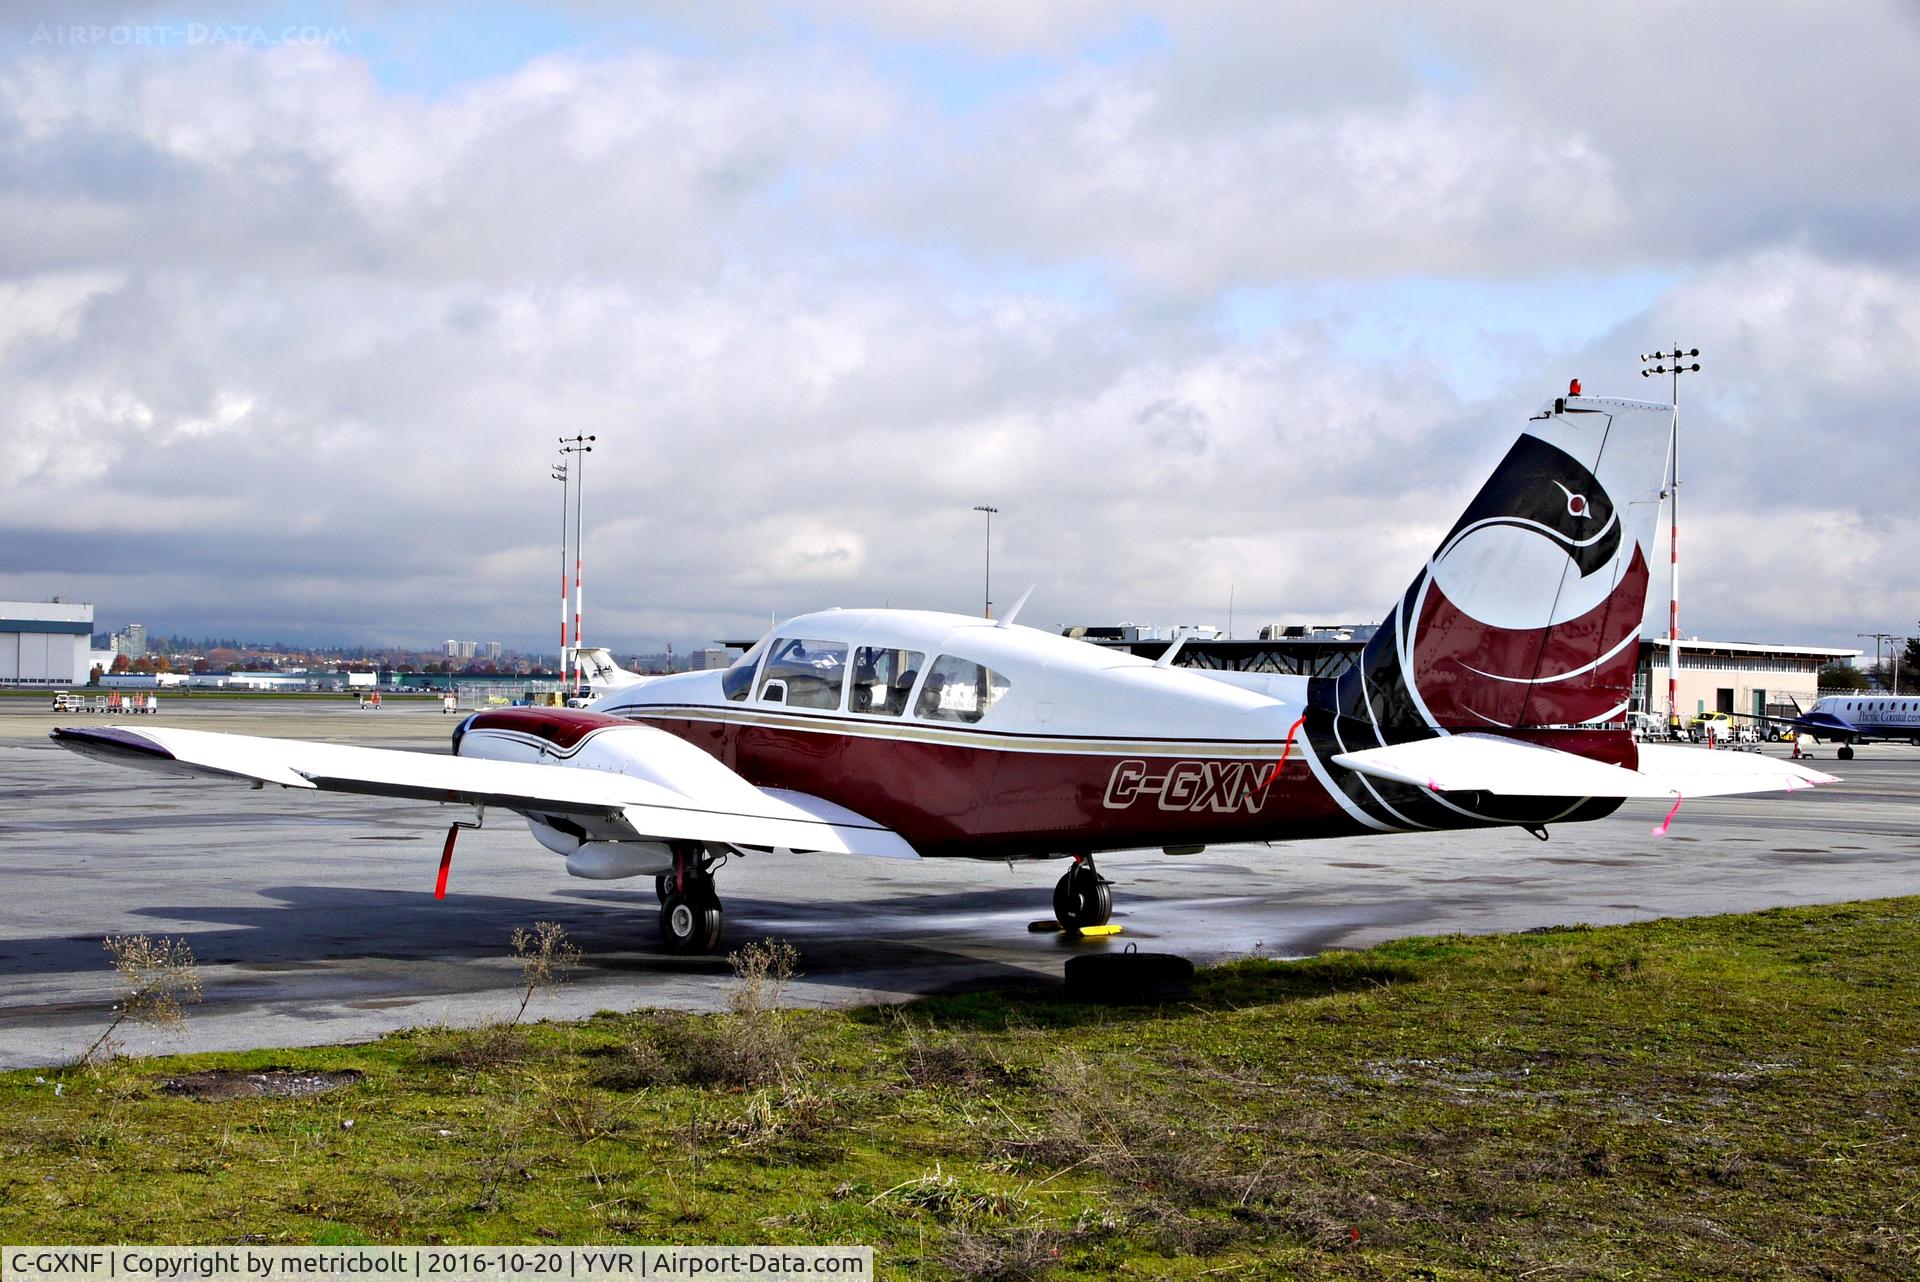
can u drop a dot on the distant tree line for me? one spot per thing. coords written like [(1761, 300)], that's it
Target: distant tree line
[(1898, 675)]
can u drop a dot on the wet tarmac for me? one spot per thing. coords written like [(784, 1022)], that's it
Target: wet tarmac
[(313, 917)]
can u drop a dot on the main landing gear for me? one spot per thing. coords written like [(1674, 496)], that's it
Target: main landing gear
[(690, 918), (1844, 752), (1083, 897)]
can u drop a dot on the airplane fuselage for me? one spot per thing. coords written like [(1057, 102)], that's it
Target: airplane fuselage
[(975, 740), (1863, 718), (972, 739)]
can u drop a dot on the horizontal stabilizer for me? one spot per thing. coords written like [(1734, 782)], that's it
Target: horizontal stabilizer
[(740, 815), (1514, 768)]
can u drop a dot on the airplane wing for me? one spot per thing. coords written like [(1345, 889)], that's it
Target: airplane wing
[(1825, 725), (1511, 767), (739, 814)]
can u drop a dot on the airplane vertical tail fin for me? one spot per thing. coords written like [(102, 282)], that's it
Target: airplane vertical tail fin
[(600, 670), (1528, 613)]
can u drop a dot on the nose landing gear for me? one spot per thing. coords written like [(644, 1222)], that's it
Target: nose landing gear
[(1083, 898), (690, 916)]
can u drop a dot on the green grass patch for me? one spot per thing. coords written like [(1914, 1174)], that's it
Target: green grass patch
[(1728, 1097)]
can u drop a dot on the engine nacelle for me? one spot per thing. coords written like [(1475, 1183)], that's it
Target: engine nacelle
[(596, 741), (612, 860)]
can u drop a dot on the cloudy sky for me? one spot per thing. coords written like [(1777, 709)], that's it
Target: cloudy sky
[(1210, 299)]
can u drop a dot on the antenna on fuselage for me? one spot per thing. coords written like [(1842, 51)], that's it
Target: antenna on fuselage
[(1180, 636), (1006, 620)]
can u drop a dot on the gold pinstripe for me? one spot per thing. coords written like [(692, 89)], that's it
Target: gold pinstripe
[(955, 737)]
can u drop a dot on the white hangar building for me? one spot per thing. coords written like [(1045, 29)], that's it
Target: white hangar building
[(45, 643)]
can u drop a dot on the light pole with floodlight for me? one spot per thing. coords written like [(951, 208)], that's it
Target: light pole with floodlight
[(982, 507), (582, 446), (1672, 496)]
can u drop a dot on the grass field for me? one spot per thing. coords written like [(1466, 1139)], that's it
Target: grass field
[(1720, 1098)]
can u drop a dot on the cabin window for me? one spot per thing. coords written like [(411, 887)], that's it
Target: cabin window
[(812, 672), (958, 690), (882, 680), (737, 680)]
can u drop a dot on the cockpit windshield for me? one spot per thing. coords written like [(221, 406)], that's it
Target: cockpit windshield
[(804, 673), (737, 680)]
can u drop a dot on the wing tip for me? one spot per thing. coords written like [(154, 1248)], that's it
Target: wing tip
[(108, 741)]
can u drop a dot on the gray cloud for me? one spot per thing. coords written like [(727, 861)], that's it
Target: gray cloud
[(285, 345)]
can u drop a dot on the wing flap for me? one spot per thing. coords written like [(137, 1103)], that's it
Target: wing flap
[(1511, 767)]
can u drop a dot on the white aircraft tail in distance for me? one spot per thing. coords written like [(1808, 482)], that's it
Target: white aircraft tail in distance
[(1494, 694)]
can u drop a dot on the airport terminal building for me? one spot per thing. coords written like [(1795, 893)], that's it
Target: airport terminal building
[(1733, 676), (45, 643)]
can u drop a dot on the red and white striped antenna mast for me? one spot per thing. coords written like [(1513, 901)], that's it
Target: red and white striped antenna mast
[(560, 475), (1670, 363), (582, 446)]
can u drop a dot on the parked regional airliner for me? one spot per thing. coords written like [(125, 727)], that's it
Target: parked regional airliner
[(1848, 719)]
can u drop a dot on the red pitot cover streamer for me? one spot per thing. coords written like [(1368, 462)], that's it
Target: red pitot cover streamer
[(1660, 830), (1284, 752)]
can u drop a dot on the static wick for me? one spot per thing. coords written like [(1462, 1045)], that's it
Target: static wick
[(1661, 829), (1284, 753)]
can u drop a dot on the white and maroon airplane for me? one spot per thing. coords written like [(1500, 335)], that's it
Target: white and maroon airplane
[(1494, 694)]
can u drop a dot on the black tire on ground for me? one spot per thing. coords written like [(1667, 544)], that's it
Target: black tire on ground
[(1845, 753), (691, 922), (1082, 898), (1129, 978)]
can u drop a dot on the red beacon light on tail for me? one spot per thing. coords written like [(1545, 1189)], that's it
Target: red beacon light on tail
[(1573, 387)]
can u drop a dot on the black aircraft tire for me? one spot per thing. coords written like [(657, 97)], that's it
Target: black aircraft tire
[(1129, 978), (660, 887), (1082, 899), (1102, 904), (691, 923), (1845, 753)]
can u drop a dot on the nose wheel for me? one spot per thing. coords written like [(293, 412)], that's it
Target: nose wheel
[(690, 916), (1082, 897)]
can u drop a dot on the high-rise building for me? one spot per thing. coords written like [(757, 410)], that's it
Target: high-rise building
[(131, 641)]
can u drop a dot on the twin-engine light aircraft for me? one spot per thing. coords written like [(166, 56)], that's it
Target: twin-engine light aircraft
[(1494, 694)]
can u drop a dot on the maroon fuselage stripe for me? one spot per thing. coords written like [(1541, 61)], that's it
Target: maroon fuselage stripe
[(991, 803)]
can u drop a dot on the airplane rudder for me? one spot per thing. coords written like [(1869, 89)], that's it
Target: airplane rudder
[(1526, 611)]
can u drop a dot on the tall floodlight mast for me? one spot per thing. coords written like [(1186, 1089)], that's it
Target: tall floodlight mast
[(1670, 363), (1880, 640), (981, 507), (580, 445), (560, 475)]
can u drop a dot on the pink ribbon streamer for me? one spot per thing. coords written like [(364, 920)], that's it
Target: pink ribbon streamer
[(1284, 752), (1660, 830)]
